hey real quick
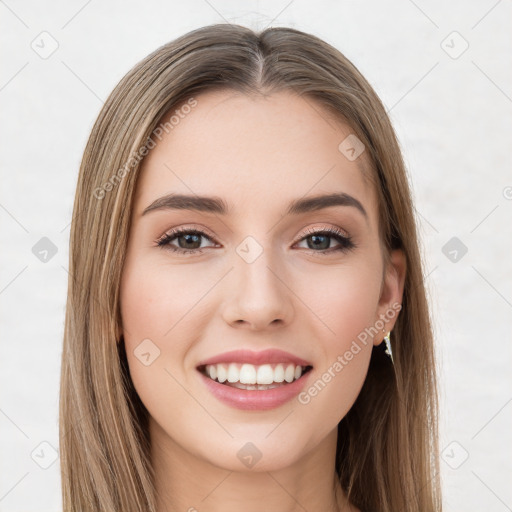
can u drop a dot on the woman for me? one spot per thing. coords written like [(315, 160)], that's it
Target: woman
[(243, 241)]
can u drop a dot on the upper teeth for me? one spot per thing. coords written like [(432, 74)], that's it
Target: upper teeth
[(251, 374)]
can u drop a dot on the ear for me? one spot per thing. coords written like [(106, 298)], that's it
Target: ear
[(391, 295)]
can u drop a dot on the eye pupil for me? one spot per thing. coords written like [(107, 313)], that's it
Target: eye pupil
[(317, 244), (188, 237)]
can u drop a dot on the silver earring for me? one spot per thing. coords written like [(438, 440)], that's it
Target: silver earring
[(387, 340)]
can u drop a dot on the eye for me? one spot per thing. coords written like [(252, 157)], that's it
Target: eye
[(321, 239), (189, 240)]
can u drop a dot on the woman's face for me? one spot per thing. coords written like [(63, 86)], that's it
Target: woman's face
[(253, 283)]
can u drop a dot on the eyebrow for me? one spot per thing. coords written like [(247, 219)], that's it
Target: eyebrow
[(216, 205)]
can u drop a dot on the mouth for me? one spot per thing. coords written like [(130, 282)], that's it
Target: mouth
[(254, 381), (254, 377)]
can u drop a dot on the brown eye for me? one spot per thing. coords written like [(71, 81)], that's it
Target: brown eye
[(189, 240)]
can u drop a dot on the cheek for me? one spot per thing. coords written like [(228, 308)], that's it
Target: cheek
[(343, 300), (333, 389), (344, 306), (161, 318), (158, 301)]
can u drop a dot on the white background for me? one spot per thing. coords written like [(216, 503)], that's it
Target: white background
[(452, 116)]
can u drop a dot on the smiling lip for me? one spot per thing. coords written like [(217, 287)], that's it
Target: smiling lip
[(256, 400), (256, 358)]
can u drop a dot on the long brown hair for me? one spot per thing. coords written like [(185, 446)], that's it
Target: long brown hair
[(387, 443)]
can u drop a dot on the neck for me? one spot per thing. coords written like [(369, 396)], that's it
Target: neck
[(186, 482)]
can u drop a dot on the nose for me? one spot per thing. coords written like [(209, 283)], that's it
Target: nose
[(259, 297)]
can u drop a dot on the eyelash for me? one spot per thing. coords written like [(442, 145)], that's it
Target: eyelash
[(346, 243)]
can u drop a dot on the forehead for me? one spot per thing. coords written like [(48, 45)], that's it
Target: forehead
[(254, 152)]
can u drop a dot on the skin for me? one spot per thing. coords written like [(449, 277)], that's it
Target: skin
[(257, 154)]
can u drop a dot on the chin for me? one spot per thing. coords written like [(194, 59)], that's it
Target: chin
[(247, 453)]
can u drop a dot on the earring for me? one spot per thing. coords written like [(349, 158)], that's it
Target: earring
[(387, 340)]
